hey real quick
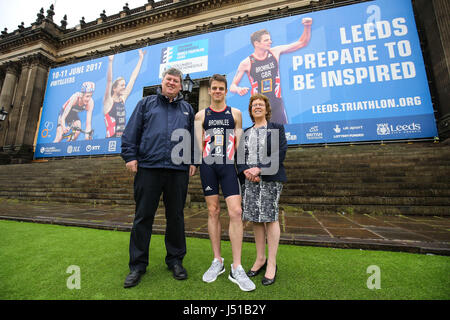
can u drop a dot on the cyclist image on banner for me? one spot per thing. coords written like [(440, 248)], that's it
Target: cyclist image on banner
[(262, 69), (116, 94), (69, 123)]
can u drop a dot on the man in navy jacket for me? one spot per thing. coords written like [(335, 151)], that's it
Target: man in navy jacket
[(147, 149)]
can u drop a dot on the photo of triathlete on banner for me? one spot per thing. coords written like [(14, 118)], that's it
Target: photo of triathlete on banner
[(69, 122), (262, 69)]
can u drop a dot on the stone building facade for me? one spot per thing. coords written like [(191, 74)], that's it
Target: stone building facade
[(28, 53)]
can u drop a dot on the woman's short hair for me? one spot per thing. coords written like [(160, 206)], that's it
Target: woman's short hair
[(266, 101)]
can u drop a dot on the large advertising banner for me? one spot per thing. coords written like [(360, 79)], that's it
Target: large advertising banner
[(353, 73)]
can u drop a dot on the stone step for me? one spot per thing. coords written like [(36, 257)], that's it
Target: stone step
[(391, 179), (333, 166), (369, 200), (73, 200), (66, 195), (297, 184), (433, 187), (288, 190), (375, 209), (291, 190), (370, 179), (329, 167), (355, 157), (357, 200), (352, 209), (292, 172), (383, 192), (294, 162)]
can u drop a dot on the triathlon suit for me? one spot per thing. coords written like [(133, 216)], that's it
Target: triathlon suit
[(218, 154), (264, 77), (72, 116), (115, 120)]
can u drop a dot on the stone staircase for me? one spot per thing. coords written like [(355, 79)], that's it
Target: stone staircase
[(398, 178)]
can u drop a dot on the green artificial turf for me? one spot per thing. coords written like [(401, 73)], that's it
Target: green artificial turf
[(34, 259)]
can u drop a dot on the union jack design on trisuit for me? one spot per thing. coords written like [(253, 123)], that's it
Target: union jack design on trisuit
[(207, 148), (230, 146)]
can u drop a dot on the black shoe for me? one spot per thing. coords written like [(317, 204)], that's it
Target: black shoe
[(252, 273), (267, 282), (133, 278), (179, 272)]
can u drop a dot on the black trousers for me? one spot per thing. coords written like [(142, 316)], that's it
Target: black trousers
[(148, 186)]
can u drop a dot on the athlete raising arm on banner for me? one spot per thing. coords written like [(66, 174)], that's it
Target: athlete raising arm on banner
[(116, 94), (262, 68), (68, 116)]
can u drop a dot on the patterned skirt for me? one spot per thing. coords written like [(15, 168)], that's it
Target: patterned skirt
[(260, 201)]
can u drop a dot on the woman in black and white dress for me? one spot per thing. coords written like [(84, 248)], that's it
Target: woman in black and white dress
[(264, 151)]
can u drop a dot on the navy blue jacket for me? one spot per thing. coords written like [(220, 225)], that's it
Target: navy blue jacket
[(147, 136), (280, 175)]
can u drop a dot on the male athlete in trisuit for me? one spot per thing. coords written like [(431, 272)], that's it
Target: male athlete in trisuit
[(68, 115), (116, 94), (262, 69), (217, 129)]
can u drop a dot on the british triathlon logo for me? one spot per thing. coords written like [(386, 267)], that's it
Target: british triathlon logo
[(314, 133)]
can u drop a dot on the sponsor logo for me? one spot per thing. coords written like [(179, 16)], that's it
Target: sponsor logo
[(49, 150), (208, 188), (71, 149), (90, 148), (384, 129), (112, 146), (48, 126), (314, 133), (347, 132), (290, 137)]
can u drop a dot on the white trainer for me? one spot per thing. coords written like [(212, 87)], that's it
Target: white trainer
[(216, 269), (239, 277)]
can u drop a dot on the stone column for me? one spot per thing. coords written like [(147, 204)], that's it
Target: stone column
[(204, 100), (17, 106), (2, 78), (7, 93), (27, 105), (34, 97), (433, 19)]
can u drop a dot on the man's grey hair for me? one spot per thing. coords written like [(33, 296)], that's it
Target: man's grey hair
[(173, 72)]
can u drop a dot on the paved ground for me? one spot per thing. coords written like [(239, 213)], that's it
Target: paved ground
[(416, 234)]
